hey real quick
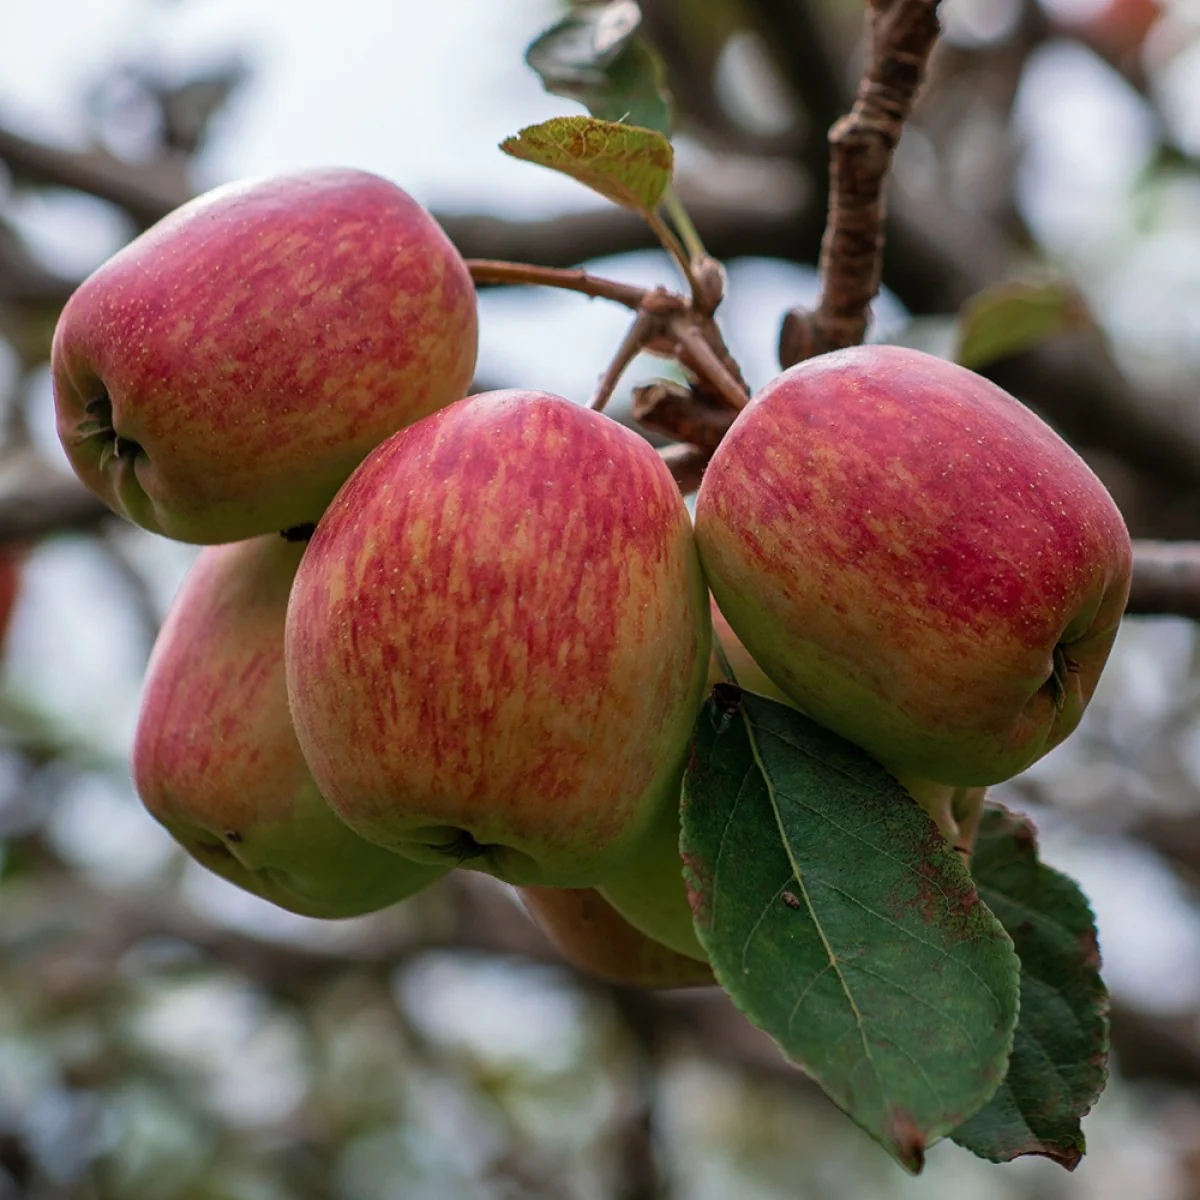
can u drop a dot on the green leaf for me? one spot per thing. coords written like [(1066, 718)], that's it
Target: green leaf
[(1060, 1052), (630, 166), (843, 924), (596, 57), (1010, 317)]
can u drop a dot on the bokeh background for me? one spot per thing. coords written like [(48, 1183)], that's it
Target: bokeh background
[(165, 1037)]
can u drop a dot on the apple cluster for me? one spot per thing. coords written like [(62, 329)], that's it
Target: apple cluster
[(485, 634)]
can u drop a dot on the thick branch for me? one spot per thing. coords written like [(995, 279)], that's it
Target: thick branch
[(1166, 579), (901, 35)]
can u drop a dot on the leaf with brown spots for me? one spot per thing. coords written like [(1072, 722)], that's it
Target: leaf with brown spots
[(843, 924), (1006, 318), (624, 163), (1060, 1053)]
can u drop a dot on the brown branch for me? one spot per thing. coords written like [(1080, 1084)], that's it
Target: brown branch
[(901, 35), (685, 414), (492, 271), (146, 191), (686, 464), (47, 504), (1166, 579)]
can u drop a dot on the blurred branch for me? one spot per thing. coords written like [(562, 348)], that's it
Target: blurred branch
[(146, 191), (46, 503), (686, 464), (901, 35), (1166, 579)]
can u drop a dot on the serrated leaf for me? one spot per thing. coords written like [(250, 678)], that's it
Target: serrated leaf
[(628, 165), (1010, 317), (841, 922), (1059, 1057), (595, 56)]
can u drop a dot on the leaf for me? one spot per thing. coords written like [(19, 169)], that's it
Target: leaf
[(1060, 1052), (1010, 317), (630, 166), (842, 923), (595, 56)]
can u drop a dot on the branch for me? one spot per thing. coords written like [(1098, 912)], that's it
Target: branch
[(147, 192), (46, 503), (686, 464), (1166, 579), (901, 35), (686, 414), (491, 271)]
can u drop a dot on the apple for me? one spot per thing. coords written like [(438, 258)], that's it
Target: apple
[(747, 674), (918, 561), (498, 639), (594, 938), (215, 759), (649, 890), (222, 375)]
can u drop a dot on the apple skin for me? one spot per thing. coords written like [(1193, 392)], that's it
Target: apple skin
[(747, 674), (649, 891), (215, 759), (250, 349), (594, 938), (498, 639), (905, 549)]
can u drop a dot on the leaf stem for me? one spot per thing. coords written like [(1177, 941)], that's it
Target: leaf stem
[(683, 223), (674, 247)]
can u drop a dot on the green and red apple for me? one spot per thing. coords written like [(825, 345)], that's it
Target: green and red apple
[(594, 938), (917, 561), (498, 639), (222, 375), (215, 758)]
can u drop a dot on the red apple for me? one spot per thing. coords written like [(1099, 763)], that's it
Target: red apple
[(594, 938), (215, 759), (223, 374), (497, 641), (917, 560)]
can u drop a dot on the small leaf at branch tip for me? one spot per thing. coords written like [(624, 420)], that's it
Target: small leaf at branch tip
[(626, 164)]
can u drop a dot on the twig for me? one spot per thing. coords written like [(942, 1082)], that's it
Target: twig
[(901, 35), (636, 337), (685, 414), (493, 271), (697, 354)]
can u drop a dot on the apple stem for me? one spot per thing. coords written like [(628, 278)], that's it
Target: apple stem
[(967, 806), (683, 223)]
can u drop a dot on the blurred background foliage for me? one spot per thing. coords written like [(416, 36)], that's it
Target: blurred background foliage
[(164, 1037)]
